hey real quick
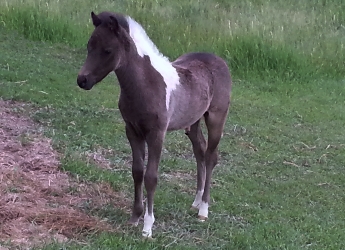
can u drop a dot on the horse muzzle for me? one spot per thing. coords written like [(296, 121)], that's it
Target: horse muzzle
[(84, 82)]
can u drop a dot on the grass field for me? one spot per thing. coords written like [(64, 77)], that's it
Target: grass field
[(280, 180)]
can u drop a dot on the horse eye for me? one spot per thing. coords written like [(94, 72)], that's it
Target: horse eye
[(107, 51)]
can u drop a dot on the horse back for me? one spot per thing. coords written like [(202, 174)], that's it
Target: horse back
[(208, 68), (205, 84), (198, 63)]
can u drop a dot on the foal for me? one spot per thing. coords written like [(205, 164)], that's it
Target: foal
[(158, 96)]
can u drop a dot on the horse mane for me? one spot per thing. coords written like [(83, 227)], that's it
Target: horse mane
[(143, 43), (145, 46)]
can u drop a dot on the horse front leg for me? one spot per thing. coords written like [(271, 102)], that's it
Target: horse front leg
[(137, 144), (154, 145)]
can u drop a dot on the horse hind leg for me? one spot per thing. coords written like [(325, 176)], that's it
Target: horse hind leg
[(199, 147), (215, 121)]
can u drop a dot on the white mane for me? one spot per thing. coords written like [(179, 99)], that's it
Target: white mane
[(161, 63)]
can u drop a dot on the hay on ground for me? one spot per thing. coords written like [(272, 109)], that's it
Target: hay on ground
[(38, 202)]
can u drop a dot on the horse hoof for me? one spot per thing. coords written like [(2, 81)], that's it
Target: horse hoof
[(133, 223), (194, 208), (147, 234), (202, 218), (148, 239)]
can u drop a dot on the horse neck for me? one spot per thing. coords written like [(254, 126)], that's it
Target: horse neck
[(129, 74), (136, 69)]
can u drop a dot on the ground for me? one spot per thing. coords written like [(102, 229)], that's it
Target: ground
[(39, 203)]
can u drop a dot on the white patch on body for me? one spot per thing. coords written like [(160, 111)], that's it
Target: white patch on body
[(148, 223), (198, 199), (203, 209), (161, 63)]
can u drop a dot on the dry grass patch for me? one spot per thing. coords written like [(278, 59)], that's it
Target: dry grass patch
[(38, 202)]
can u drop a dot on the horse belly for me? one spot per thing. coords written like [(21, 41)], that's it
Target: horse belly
[(187, 107)]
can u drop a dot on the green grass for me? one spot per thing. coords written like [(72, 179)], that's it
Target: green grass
[(296, 39), (279, 183)]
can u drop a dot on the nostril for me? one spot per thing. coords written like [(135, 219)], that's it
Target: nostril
[(81, 80)]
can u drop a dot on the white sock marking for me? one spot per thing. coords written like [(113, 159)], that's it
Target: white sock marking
[(198, 199), (203, 210), (148, 223), (161, 63)]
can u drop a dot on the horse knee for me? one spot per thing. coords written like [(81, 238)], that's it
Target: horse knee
[(212, 158), (200, 151), (138, 175), (150, 180), (199, 146)]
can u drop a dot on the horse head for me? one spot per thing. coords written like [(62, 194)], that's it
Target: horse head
[(105, 49)]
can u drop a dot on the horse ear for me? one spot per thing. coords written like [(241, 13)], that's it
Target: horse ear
[(95, 19), (114, 24)]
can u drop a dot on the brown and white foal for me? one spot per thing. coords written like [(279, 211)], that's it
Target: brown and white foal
[(158, 96)]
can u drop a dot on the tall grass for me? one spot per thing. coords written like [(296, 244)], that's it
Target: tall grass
[(291, 40)]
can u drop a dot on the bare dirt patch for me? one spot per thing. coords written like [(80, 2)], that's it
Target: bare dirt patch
[(38, 202)]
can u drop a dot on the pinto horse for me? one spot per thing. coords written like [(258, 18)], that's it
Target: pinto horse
[(159, 96)]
